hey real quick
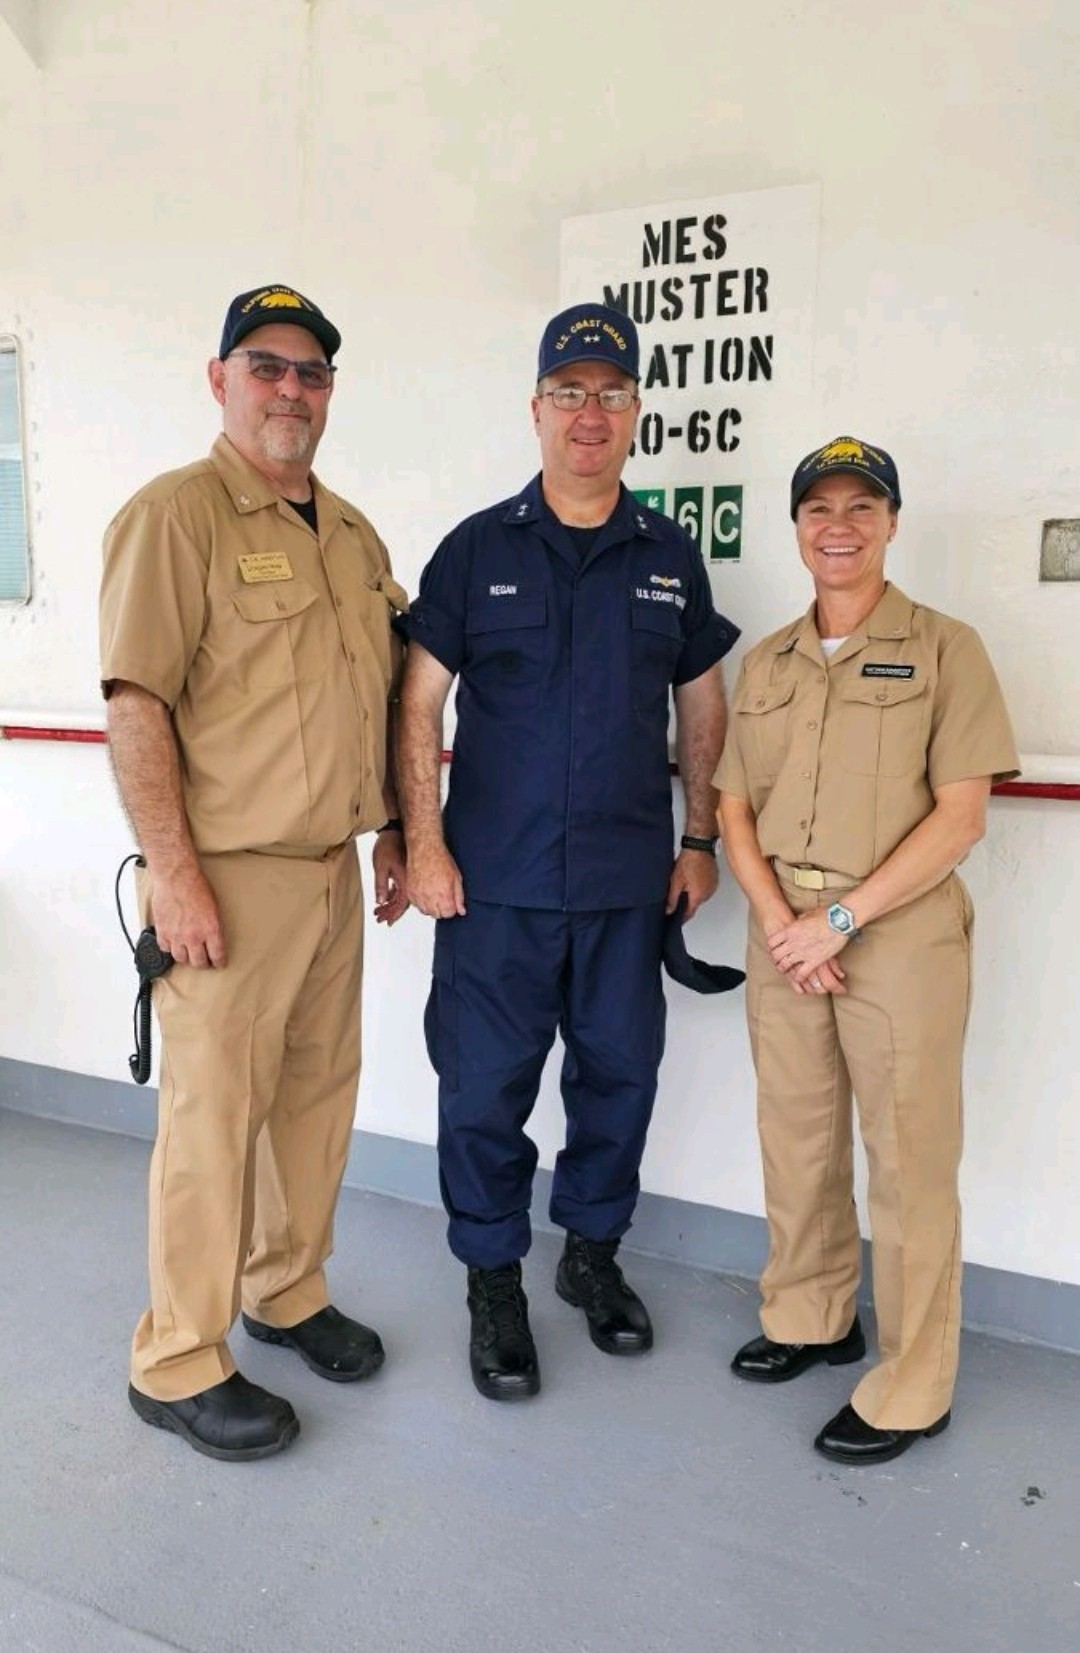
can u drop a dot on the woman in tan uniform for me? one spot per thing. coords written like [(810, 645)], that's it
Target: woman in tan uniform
[(864, 740)]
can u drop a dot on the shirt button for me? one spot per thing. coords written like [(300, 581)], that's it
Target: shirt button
[(806, 775), (279, 605), (352, 657), (760, 701), (811, 724), (882, 694), (802, 826), (337, 600)]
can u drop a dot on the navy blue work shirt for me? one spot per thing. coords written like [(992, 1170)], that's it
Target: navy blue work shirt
[(560, 794)]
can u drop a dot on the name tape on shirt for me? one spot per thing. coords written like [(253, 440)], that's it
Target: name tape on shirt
[(647, 596), (256, 566), (875, 668)]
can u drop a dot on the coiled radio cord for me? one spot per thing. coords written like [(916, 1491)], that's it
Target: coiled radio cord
[(150, 962)]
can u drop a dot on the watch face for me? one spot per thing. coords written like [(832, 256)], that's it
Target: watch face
[(840, 919)]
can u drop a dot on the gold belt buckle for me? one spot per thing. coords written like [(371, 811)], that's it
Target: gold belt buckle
[(808, 878)]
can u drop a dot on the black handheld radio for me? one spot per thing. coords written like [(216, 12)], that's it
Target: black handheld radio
[(151, 961)]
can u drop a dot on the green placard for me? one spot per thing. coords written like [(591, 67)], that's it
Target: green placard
[(725, 537), (654, 498), (690, 513)]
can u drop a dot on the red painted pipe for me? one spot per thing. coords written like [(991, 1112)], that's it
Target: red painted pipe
[(16, 731), (1064, 790), (1036, 789)]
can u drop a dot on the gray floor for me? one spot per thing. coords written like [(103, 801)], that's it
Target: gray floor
[(648, 1504)]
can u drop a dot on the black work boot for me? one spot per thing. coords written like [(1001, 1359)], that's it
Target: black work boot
[(233, 1420), (589, 1277), (502, 1353)]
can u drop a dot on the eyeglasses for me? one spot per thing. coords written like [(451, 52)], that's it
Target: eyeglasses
[(263, 364), (572, 398)]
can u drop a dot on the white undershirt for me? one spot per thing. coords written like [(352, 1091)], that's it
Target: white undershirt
[(829, 645)]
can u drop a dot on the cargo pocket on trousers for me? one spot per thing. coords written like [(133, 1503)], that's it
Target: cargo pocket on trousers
[(440, 1014)]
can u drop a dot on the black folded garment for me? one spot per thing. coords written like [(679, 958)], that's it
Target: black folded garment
[(691, 972)]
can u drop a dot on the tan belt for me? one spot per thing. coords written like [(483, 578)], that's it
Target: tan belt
[(302, 852), (813, 878)]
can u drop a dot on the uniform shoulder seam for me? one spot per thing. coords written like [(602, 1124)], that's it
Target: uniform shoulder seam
[(166, 488)]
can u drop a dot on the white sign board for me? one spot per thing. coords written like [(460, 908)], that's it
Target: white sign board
[(722, 291)]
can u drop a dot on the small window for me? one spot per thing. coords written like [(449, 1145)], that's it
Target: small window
[(14, 539)]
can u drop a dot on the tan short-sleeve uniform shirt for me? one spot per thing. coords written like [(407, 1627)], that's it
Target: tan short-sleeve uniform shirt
[(270, 644), (838, 758)]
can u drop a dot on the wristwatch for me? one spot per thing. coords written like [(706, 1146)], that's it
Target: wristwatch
[(842, 920), (689, 841)]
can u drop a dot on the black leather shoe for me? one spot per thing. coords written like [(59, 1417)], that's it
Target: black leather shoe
[(763, 1361), (589, 1277), (502, 1353), (848, 1440), (235, 1420), (329, 1342)]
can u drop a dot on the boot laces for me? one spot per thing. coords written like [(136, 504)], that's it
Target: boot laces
[(601, 1273), (504, 1301)]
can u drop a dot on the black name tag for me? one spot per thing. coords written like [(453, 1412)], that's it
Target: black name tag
[(874, 669)]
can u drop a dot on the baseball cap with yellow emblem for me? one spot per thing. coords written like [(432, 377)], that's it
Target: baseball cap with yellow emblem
[(265, 305), (846, 454), (589, 333)]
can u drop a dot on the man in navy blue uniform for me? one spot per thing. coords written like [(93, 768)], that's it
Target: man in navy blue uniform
[(567, 614)]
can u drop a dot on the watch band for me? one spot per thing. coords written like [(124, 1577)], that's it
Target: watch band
[(688, 841)]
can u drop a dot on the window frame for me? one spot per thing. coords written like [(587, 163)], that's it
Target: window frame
[(11, 345)]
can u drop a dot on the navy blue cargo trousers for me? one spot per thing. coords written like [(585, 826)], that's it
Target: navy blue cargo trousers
[(505, 980)]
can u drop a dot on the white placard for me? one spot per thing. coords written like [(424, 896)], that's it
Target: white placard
[(722, 290)]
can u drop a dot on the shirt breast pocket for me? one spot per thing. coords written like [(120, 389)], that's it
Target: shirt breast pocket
[(885, 726), (506, 648), (763, 716), (278, 635), (655, 645)]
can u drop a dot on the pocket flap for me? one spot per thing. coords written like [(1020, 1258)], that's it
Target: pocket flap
[(506, 613), (276, 600), (659, 617), (883, 691), (759, 700)]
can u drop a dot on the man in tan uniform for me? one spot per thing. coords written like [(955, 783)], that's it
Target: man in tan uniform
[(863, 744), (248, 661)]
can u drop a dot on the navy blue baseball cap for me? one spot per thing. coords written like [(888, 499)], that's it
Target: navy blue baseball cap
[(688, 971), (849, 454), (265, 305), (589, 333)]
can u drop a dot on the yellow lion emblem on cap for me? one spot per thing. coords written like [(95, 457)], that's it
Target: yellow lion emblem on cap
[(280, 301)]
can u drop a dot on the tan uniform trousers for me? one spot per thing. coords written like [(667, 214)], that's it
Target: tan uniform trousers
[(897, 1039), (259, 1071)]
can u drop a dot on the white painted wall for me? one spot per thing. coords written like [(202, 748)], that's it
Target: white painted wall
[(21, 17), (409, 167)]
